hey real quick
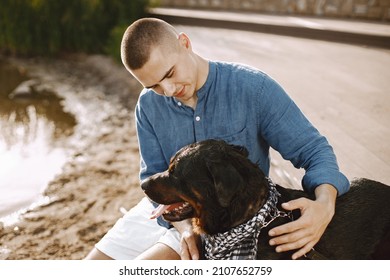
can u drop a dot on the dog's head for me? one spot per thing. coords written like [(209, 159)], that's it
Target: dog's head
[(212, 182)]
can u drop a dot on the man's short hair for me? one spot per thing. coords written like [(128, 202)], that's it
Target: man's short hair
[(139, 39)]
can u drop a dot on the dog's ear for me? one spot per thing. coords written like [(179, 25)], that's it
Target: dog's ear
[(227, 182), (240, 149)]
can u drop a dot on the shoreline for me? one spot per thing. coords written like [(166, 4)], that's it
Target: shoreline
[(101, 176)]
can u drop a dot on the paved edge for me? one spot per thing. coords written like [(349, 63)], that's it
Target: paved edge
[(372, 40)]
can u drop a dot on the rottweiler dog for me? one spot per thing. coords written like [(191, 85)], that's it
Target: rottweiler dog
[(216, 185)]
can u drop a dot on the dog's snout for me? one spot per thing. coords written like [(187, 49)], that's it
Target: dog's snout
[(145, 184), (151, 182)]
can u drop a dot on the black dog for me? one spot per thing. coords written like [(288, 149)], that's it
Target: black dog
[(221, 189)]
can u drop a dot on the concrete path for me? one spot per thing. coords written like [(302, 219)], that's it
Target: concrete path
[(360, 32), (343, 89)]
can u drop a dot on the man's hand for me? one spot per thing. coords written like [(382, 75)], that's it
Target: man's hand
[(305, 232), (190, 242)]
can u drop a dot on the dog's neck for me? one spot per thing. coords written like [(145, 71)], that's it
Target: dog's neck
[(242, 209), (241, 241), (257, 201)]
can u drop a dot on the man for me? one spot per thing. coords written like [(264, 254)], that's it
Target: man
[(187, 98)]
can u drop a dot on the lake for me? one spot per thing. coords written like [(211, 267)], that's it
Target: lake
[(34, 135)]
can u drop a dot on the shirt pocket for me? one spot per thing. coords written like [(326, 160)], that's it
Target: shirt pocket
[(239, 137)]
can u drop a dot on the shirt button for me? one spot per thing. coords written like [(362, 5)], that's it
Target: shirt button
[(179, 103), (197, 118)]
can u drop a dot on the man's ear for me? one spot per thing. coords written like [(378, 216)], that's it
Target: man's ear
[(227, 182), (185, 41)]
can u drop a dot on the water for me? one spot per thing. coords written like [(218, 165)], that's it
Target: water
[(34, 130)]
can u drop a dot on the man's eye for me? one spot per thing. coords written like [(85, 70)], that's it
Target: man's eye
[(170, 74)]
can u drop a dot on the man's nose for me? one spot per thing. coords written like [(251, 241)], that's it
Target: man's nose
[(168, 88)]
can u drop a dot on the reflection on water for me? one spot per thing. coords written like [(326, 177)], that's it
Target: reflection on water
[(33, 132)]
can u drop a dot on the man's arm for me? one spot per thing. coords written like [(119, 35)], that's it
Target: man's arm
[(287, 130), (190, 242)]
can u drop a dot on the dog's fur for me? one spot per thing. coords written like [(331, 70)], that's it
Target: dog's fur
[(224, 189)]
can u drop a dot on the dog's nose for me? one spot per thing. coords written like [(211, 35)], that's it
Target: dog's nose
[(145, 184)]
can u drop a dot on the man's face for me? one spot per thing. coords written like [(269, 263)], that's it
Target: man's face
[(171, 72)]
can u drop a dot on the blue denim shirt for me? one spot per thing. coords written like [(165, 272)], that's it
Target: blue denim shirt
[(242, 106)]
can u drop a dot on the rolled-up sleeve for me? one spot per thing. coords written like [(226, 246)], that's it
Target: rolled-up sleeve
[(288, 131)]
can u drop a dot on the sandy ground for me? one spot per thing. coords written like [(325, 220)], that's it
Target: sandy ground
[(100, 178)]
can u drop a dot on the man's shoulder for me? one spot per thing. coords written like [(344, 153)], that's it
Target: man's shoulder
[(149, 97), (145, 93), (238, 68), (148, 101), (239, 73)]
